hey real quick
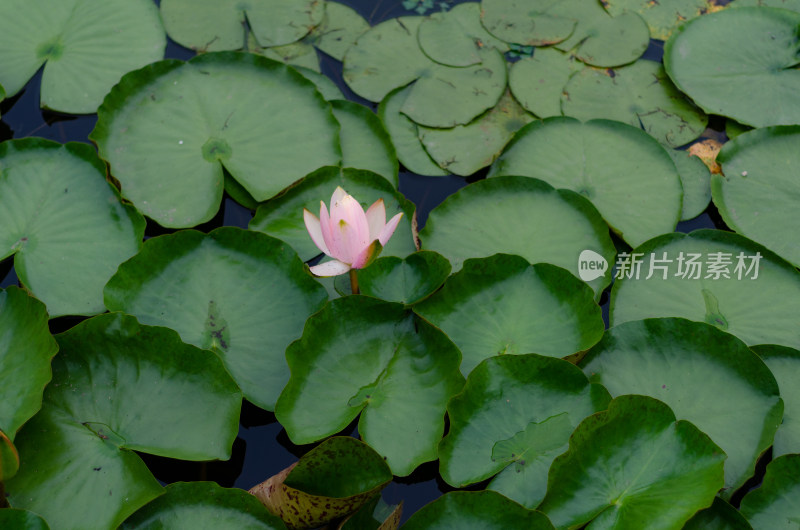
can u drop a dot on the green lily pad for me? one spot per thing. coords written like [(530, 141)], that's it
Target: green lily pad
[(537, 82), (26, 348), (215, 25), (503, 305), (719, 516), (696, 183), (514, 416), (475, 510), (203, 506), (721, 60), (12, 519), (365, 142), (300, 53), (406, 281), (282, 217), (242, 294), (324, 85), (639, 94), (332, 480), (776, 504), (465, 149), (515, 215), (340, 28), (168, 130), (120, 387), (639, 196), (374, 515), (9, 458), (84, 45), (526, 22), (758, 301), (455, 37), (793, 5), (66, 226), (733, 128), (759, 188), (359, 355), (707, 376), (633, 466), (405, 135), (662, 18), (785, 366)]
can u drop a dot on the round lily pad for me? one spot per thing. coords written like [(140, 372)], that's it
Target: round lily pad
[(722, 59), (776, 504), (514, 416), (240, 293), (65, 225), (696, 183), (84, 45), (365, 142), (26, 348), (21, 520), (515, 215), (639, 94), (215, 25), (455, 37), (503, 305), (758, 189), (476, 510), (785, 366), (633, 466), (359, 355), (626, 173), (705, 375), (710, 276), (719, 516), (120, 387), (663, 18), (168, 130), (405, 136), (466, 149), (526, 22), (9, 458), (203, 506), (282, 217), (537, 82), (340, 28)]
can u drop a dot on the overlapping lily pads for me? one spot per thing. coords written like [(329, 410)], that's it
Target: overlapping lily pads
[(66, 227), (168, 130), (21, 520), (663, 18), (707, 376), (626, 174), (120, 387), (537, 82), (84, 45), (785, 366), (719, 516), (503, 305), (696, 183), (776, 503), (514, 416), (365, 142), (340, 28), (528, 23), (240, 293), (710, 276), (359, 355), (476, 510), (375, 515), (633, 466)]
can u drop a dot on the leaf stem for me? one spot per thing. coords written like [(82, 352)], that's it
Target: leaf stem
[(353, 281)]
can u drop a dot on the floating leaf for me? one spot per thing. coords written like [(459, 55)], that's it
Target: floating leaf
[(526, 22), (758, 189), (170, 128), (707, 151), (776, 504), (639, 196), (785, 366), (334, 479), (365, 142), (84, 45), (503, 305), (65, 225), (340, 28), (793, 5), (203, 506), (120, 387), (9, 458), (26, 349), (324, 85), (21, 520), (475, 510), (537, 82), (639, 94), (633, 466), (240, 293), (362, 355), (722, 59), (696, 183), (707, 377), (375, 515), (476, 222), (215, 25), (300, 53), (525, 406), (662, 18), (711, 276), (719, 516), (733, 128)]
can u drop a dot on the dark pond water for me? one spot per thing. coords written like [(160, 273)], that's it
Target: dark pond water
[(262, 447)]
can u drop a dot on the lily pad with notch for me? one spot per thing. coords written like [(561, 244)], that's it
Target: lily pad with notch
[(785, 366)]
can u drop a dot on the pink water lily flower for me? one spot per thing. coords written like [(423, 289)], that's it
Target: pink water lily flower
[(348, 235)]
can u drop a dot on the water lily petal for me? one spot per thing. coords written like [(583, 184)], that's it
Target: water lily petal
[(315, 231), (338, 195), (356, 236), (388, 230), (367, 255), (376, 218), (327, 233), (330, 268)]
